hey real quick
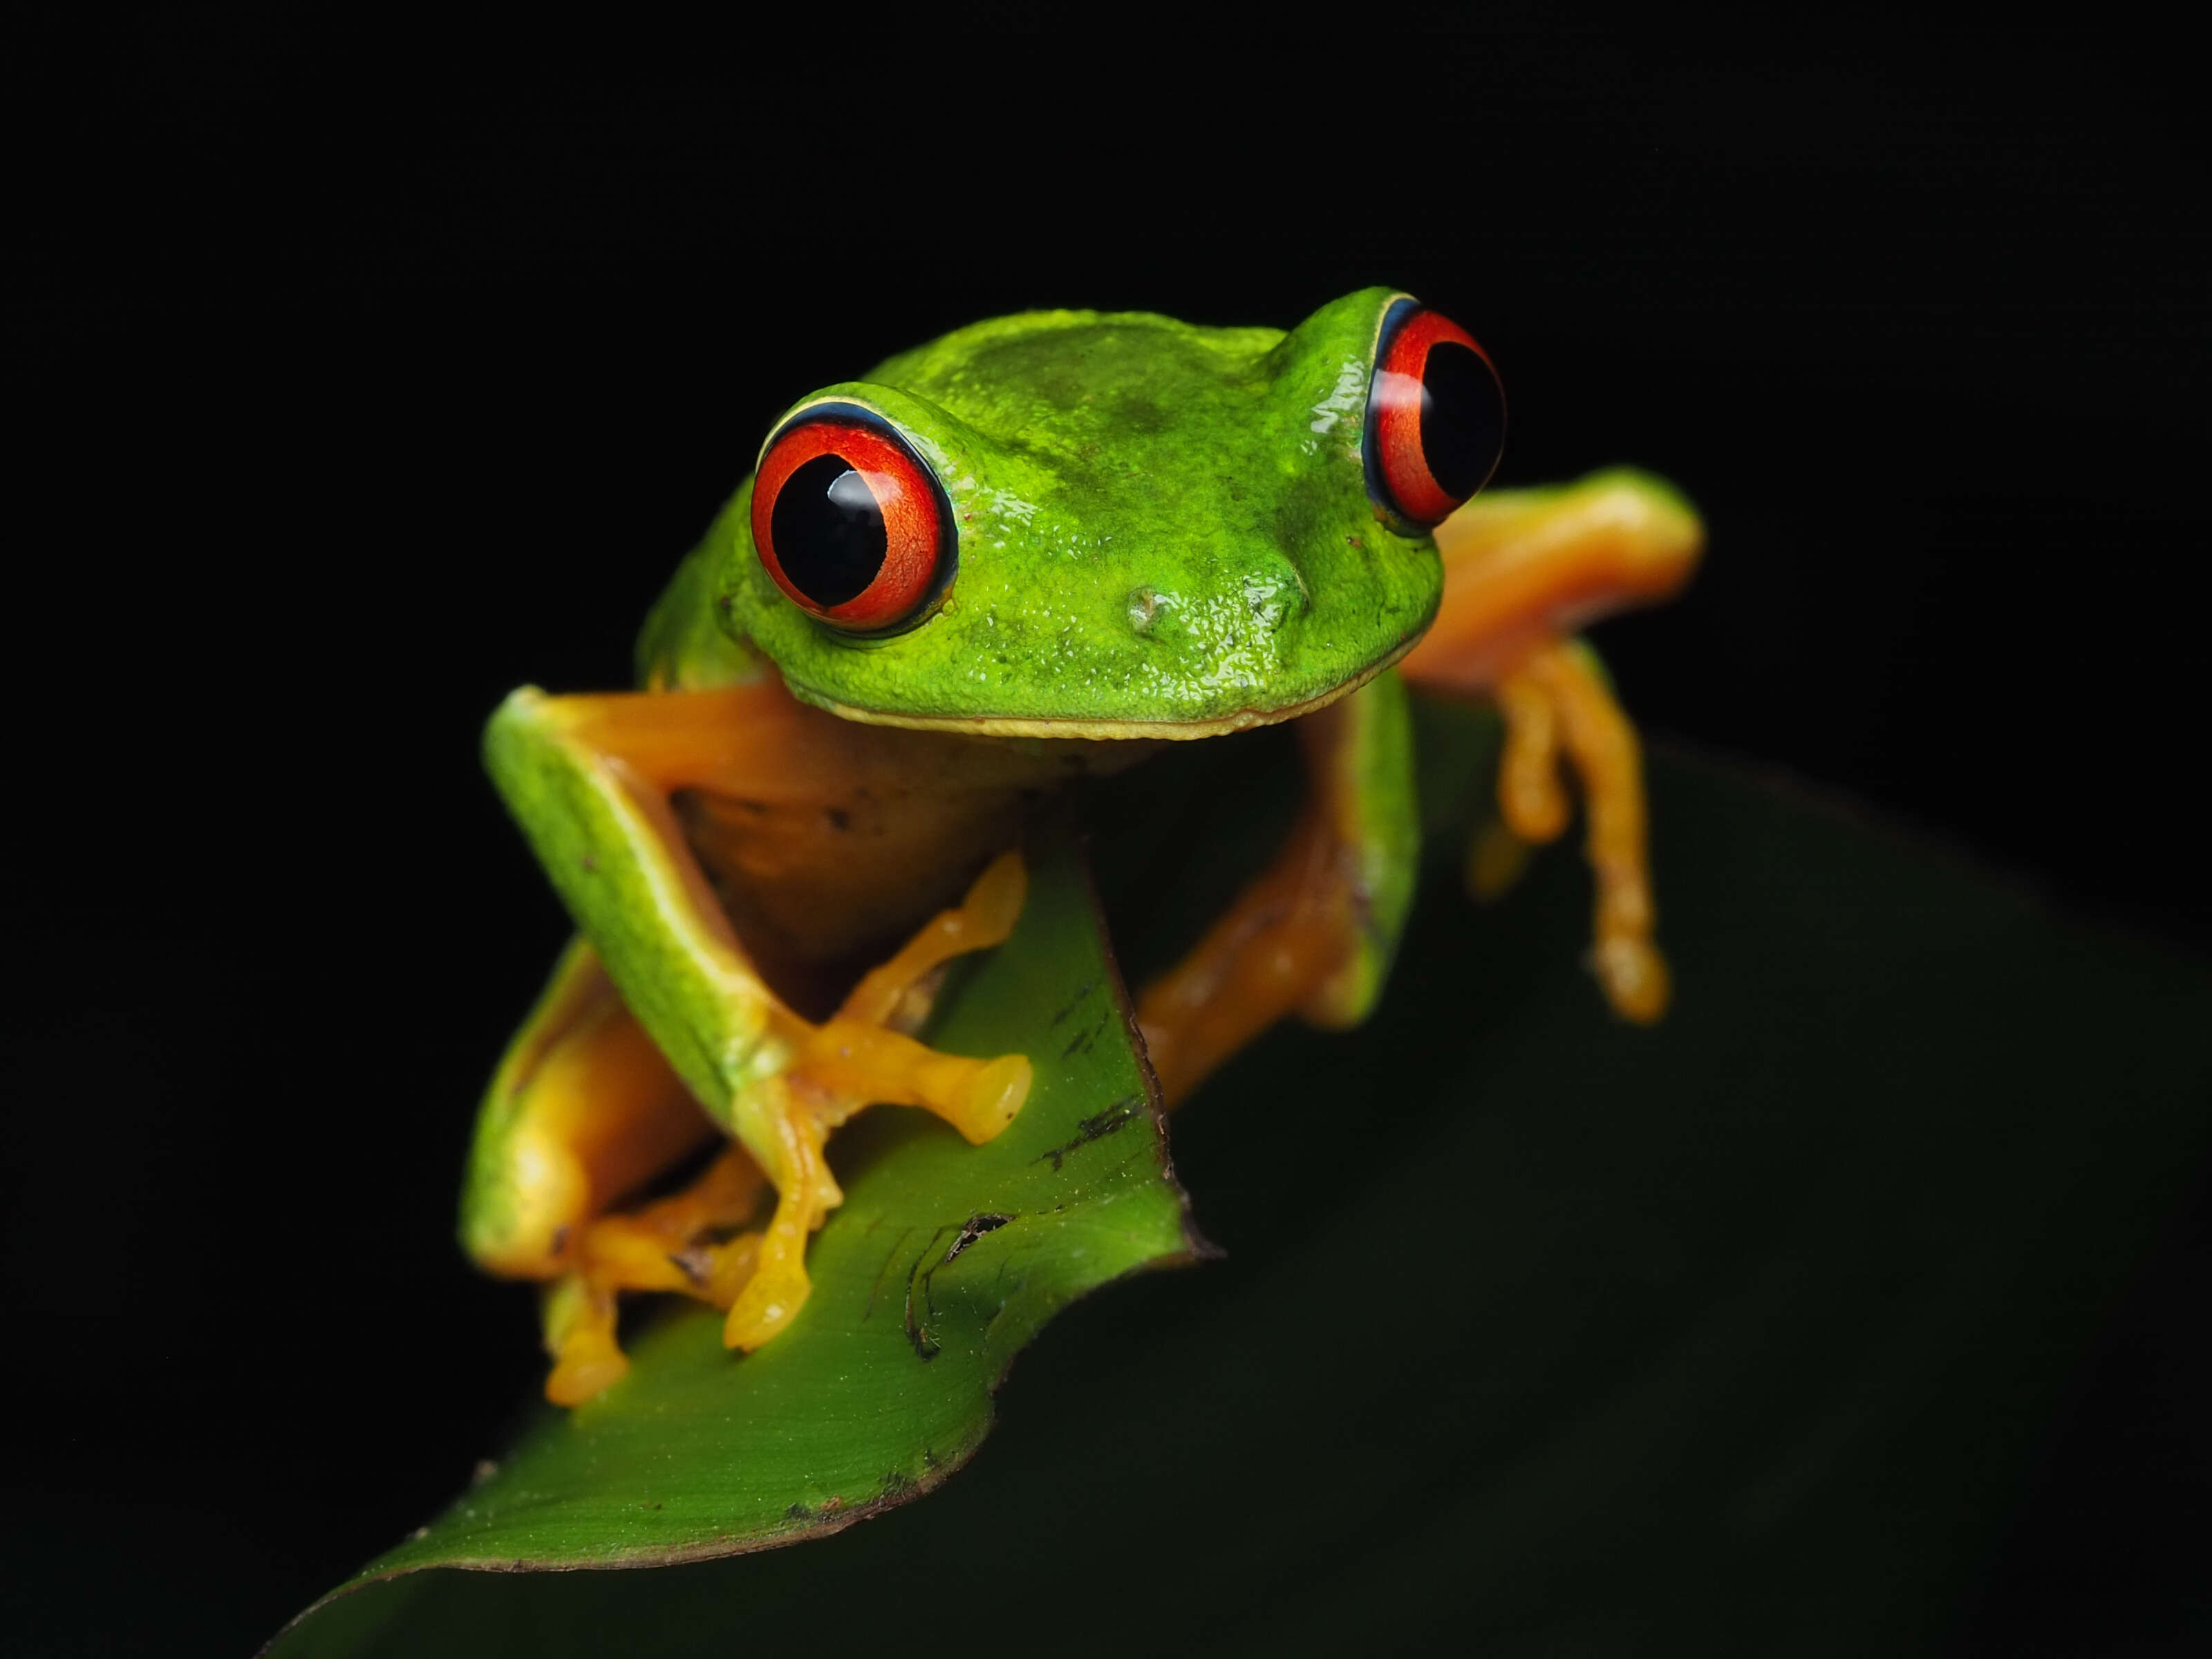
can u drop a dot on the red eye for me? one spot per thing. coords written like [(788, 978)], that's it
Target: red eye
[(1435, 416), (851, 524)]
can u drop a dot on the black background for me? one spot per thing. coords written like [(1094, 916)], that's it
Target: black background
[(366, 375)]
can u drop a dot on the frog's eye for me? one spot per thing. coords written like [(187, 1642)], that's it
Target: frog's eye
[(849, 523), (1435, 416)]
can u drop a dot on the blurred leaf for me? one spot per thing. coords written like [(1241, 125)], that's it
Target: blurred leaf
[(1539, 1334), (943, 1262)]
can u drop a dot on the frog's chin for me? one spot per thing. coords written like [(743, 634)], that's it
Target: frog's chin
[(1007, 725)]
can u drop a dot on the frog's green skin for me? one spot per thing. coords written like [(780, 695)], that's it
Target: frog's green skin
[(1163, 530)]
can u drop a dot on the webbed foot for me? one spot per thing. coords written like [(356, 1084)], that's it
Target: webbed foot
[(675, 1243), (862, 1055)]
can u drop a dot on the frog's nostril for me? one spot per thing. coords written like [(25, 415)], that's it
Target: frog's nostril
[(1145, 607), (1158, 614)]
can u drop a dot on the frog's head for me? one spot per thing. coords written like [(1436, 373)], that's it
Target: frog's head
[(1067, 524)]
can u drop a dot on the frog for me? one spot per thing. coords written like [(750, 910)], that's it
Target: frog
[(1032, 552)]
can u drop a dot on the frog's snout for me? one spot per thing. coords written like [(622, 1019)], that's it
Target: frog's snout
[(1269, 594)]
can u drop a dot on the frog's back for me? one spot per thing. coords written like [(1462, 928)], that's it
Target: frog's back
[(1049, 381)]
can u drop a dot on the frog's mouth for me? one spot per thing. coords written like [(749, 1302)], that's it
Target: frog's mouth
[(1107, 731)]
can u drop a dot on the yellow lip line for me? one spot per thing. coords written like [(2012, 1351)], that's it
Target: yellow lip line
[(998, 725)]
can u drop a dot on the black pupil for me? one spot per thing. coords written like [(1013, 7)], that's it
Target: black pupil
[(828, 531), (1463, 418)]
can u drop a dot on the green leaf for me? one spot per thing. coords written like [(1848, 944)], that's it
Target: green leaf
[(941, 1264), (1537, 1333)]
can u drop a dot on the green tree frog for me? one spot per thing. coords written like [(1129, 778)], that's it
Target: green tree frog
[(1036, 549)]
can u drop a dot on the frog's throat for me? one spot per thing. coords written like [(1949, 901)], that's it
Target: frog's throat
[(1003, 725)]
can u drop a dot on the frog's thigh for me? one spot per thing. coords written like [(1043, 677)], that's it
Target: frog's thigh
[(583, 1109), (1314, 932), (1523, 569)]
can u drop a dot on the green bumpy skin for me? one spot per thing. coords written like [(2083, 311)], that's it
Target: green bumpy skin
[(1160, 526)]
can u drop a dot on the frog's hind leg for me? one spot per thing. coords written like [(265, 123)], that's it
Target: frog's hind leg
[(583, 1109), (1313, 933), (1523, 570)]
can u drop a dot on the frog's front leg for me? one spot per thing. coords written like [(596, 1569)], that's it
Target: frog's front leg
[(589, 779), (1523, 570), (1313, 933)]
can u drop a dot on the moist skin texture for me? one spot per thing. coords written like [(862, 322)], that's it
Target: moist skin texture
[(1163, 530)]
